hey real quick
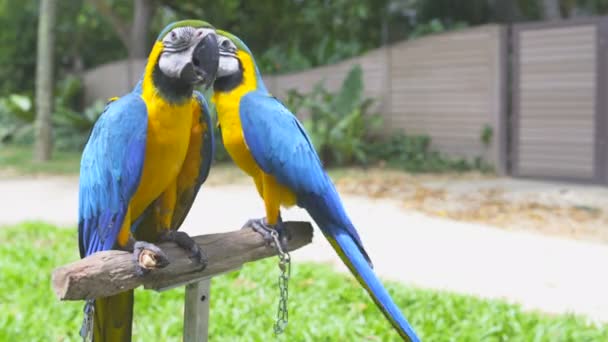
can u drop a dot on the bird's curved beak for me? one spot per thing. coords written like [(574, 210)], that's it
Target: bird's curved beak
[(205, 61)]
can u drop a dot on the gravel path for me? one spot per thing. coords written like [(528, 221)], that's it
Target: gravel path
[(547, 273)]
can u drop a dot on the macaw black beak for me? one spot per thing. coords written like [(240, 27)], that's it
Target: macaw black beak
[(205, 59)]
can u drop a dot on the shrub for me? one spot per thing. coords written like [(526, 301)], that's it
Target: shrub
[(71, 123), (414, 154), (72, 128), (16, 118), (340, 124)]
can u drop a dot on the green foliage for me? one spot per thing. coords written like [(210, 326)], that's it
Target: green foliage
[(414, 154), (474, 12), (69, 92), (79, 122), (435, 26), (83, 39), (20, 106), (18, 41), (591, 6), (487, 133), (71, 125), (16, 118), (293, 35), (277, 59), (339, 124), (73, 128), (324, 305), (299, 34)]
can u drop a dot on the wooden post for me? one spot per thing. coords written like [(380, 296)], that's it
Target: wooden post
[(196, 306), (196, 311)]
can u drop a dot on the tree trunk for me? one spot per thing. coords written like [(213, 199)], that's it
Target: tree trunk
[(135, 36), (505, 11), (142, 16), (143, 12), (551, 10), (44, 80)]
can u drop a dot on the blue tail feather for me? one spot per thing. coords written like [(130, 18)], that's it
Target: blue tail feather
[(351, 255), (329, 214)]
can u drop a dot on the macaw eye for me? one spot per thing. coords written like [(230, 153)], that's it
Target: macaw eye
[(225, 44), (173, 35)]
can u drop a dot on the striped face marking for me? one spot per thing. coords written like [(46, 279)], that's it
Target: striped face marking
[(178, 49)]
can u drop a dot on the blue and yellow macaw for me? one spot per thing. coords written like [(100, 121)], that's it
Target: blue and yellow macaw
[(148, 155), (267, 142)]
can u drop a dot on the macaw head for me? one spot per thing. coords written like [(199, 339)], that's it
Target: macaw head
[(236, 64), (186, 53)]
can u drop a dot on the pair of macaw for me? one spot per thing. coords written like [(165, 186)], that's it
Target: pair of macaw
[(151, 150)]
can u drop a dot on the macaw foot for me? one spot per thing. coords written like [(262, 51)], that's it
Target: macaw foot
[(148, 257), (262, 227), (183, 240)]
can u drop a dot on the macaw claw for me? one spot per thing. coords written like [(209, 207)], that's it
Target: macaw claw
[(262, 227), (148, 257), (183, 240)]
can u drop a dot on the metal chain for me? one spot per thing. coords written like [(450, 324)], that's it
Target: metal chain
[(86, 331), (285, 267)]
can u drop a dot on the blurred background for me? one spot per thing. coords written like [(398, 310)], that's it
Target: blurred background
[(469, 139), (472, 81)]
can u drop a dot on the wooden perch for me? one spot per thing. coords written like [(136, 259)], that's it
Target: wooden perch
[(111, 272)]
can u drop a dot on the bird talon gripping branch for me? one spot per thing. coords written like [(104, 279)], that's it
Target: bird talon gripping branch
[(270, 233), (148, 257), (183, 240)]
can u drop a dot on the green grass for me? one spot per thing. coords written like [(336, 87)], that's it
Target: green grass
[(18, 160), (325, 305)]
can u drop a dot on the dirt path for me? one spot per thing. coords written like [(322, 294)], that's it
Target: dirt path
[(553, 209), (547, 273)]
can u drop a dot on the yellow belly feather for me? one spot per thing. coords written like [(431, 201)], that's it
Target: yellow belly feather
[(167, 141)]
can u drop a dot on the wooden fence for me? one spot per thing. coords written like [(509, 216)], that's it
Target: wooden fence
[(447, 86), (457, 86)]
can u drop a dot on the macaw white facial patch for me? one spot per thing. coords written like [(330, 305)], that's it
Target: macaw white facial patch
[(178, 46), (228, 65)]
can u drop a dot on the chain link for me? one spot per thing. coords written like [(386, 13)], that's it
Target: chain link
[(285, 267), (86, 331)]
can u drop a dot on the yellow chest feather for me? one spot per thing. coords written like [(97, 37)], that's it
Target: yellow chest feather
[(232, 133), (167, 140)]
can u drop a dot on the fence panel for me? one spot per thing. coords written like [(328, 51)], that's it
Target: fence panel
[(557, 100), (449, 86)]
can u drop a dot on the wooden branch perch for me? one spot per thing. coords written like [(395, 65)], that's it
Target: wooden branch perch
[(111, 272)]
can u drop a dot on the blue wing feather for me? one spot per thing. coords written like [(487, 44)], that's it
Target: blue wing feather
[(281, 147), (110, 171), (208, 148)]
